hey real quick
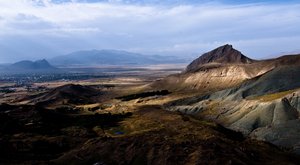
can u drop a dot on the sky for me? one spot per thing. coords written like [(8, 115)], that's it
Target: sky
[(37, 29)]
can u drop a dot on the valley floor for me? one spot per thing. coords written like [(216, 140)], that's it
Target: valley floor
[(67, 125)]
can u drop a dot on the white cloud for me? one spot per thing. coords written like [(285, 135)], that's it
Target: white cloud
[(181, 29)]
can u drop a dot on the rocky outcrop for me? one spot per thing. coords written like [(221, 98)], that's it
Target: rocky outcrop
[(225, 54)]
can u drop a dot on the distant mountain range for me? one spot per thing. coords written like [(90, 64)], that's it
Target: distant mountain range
[(29, 66), (112, 57), (90, 58)]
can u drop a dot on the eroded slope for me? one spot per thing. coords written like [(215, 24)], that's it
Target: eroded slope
[(259, 107)]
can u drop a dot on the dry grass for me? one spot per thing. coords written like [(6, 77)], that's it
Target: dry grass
[(212, 109), (273, 96), (149, 118)]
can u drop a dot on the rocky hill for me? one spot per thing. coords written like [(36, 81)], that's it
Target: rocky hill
[(259, 98), (265, 107), (219, 69), (30, 66), (225, 54)]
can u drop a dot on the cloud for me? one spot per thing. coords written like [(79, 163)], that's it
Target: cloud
[(165, 29)]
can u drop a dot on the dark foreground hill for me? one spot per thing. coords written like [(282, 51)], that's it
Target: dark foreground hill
[(68, 94), (148, 136)]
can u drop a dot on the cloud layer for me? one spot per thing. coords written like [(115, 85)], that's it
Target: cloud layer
[(44, 28)]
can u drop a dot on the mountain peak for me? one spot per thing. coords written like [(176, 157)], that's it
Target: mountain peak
[(224, 54), (226, 46), (41, 61), (31, 65)]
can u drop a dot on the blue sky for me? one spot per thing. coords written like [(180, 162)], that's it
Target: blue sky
[(35, 29)]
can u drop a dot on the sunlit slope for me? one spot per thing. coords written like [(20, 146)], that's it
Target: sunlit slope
[(259, 107), (221, 68)]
